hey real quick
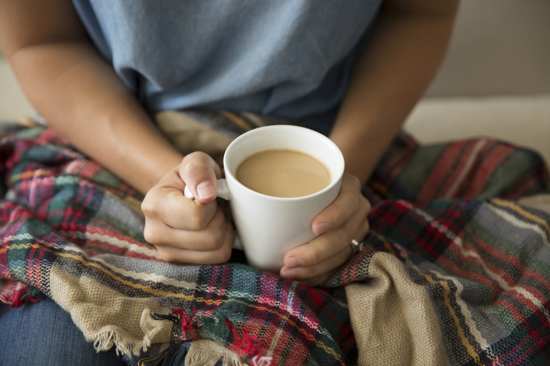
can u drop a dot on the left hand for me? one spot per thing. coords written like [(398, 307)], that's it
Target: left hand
[(343, 220)]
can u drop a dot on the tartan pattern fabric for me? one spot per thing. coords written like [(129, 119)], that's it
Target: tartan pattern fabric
[(444, 211)]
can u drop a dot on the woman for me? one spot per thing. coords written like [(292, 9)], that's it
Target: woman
[(98, 71)]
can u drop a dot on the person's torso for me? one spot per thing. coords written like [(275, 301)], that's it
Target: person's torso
[(288, 58)]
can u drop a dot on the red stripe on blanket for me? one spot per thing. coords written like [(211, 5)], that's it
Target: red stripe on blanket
[(514, 351), (483, 173), (444, 170), (469, 274), (511, 260)]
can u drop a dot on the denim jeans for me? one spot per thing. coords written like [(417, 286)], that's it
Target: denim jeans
[(44, 334)]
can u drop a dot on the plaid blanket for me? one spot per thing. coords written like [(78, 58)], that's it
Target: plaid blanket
[(454, 271)]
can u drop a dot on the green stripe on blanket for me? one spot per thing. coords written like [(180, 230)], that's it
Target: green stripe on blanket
[(445, 278)]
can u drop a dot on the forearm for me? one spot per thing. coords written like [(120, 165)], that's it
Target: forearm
[(80, 95), (401, 58)]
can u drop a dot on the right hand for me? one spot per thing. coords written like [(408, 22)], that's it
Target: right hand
[(184, 230)]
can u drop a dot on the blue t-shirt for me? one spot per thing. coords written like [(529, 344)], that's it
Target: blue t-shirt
[(286, 58)]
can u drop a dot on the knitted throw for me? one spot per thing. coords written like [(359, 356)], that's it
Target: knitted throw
[(454, 270)]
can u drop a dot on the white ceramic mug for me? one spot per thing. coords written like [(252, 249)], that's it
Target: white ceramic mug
[(270, 226)]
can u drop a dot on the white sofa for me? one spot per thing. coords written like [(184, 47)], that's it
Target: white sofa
[(495, 80)]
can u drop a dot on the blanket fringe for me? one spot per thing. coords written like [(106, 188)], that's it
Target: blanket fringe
[(24, 296), (198, 356), (107, 339), (121, 341), (150, 326)]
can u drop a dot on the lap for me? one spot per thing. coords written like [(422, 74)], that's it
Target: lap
[(44, 333)]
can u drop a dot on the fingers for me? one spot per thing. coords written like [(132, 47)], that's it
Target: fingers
[(167, 204), (209, 246), (209, 238), (345, 219), (311, 275), (200, 172), (218, 255), (324, 253), (349, 202), (326, 246), (184, 230)]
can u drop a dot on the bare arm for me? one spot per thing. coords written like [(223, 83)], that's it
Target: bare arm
[(78, 93), (402, 56)]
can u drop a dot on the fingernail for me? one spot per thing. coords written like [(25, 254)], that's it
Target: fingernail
[(290, 273), (322, 228), (205, 189), (293, 262)]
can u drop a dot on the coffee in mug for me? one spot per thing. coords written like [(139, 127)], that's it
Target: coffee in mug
[(283, 173)]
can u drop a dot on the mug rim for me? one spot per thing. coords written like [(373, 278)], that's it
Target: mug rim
[(337, 180)]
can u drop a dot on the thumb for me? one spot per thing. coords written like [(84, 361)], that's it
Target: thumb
[(200, 173)]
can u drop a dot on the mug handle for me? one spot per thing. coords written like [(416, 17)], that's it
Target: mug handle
[(223, 192)]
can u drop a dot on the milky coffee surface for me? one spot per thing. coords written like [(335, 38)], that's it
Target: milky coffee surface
[(283, 173)]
